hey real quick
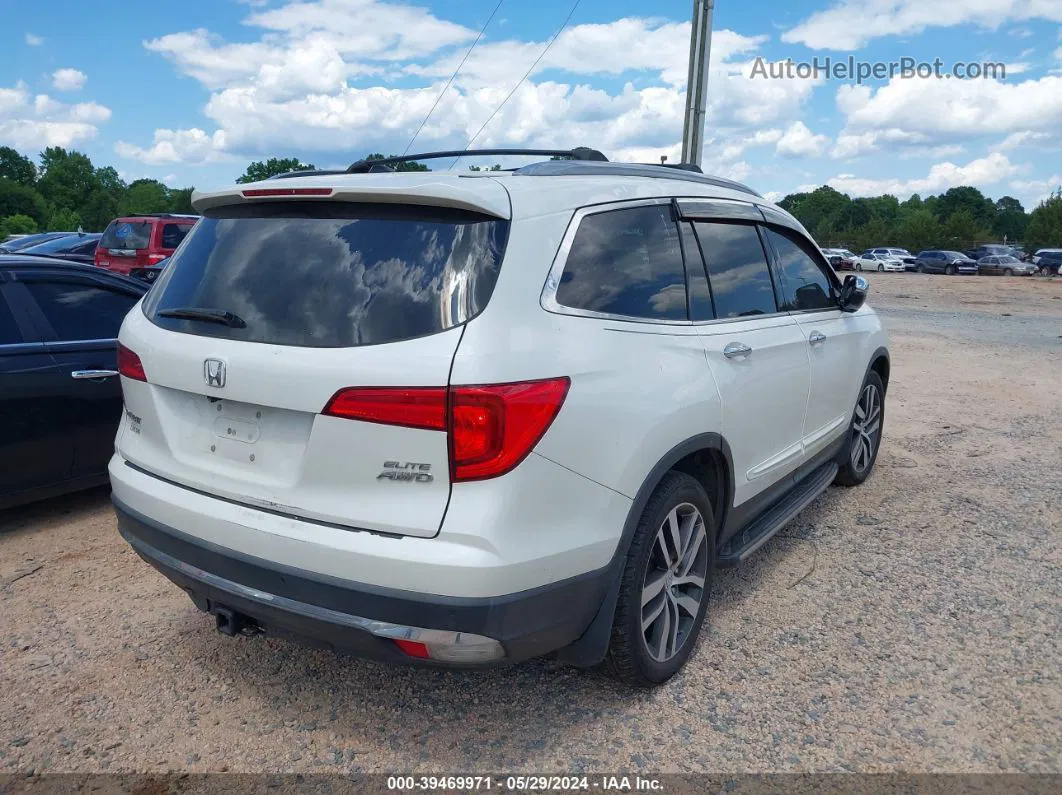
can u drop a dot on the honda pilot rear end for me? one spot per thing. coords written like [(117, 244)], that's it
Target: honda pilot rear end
[(293, 444)]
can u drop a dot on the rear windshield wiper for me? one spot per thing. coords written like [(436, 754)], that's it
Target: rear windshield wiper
[(221, 316)]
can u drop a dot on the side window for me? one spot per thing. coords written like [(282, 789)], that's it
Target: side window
[(626, 262), (84, 248), (737, 269), (173, 234), (80, 310), (9, 333), (804, 284), (700, 297)]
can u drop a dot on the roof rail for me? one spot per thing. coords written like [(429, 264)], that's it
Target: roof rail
[(156, 215), (683, 172), (382, 164)]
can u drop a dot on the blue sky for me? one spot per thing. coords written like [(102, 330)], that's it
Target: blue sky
[(189, 92)]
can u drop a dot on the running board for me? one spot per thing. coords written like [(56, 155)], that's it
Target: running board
[(737, 549)]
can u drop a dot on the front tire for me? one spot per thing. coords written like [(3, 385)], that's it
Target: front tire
[(665, 584), (864, 433), (949, 271), (881, 268), (1008, 272), (921, 268)]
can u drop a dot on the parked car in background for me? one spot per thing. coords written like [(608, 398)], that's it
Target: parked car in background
[(327, 434), (25, 241), (149, 273), (1005, 265), (72, 248), (990, 250), (60, 396), (1035, 259), (869, 261), (137, 241), (840, 258), (1049, 262), (902, 254), (947, 262)]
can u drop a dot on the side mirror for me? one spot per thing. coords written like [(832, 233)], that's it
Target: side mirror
[(853, 292)]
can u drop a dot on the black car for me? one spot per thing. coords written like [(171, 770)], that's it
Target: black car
[(60, 396), (149, 273), (19, 243), (72, 248), (949, 262), (1050, 263)]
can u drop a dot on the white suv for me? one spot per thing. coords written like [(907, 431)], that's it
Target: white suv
[(479, 417)]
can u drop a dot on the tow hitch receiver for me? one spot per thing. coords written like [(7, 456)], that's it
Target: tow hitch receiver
[(231, 623)]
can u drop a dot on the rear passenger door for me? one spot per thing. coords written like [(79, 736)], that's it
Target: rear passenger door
[(81, 316), (756, 351), (35, 448), (809, 291)]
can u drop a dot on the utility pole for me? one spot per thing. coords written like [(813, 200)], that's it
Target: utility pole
[(697, 83)]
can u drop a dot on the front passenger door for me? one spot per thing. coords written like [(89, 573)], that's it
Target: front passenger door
[(809, 292)]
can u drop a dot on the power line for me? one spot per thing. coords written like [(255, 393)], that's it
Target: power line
[(449, 82), (542, 55)]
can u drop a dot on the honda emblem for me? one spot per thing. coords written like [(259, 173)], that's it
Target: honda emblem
[(214, 372)]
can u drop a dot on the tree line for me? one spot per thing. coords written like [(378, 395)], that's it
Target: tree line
[(957, 219), (66, 192)]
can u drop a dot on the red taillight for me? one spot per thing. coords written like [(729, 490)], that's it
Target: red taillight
[(411, 407), (413, 649), (491, 428), (129, 364), (258, 193)]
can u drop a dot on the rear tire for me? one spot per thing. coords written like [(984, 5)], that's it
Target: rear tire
[(864, 433), (665, 584), (859, 266)]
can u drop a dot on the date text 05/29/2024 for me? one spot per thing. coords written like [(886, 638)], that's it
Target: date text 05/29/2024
[(523, 784)]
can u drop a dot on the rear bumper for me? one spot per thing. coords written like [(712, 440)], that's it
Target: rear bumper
[(338, 614)]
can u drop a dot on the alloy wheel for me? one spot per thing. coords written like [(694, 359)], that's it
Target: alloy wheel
[(881, 268), (673, 588), (866, 428)]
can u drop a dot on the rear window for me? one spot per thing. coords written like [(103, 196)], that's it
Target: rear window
[(127, 235), (330, 275)]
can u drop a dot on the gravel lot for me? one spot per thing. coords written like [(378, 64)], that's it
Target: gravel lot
[(912, 624)]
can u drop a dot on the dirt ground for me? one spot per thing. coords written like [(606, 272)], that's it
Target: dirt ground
[(914, 623)]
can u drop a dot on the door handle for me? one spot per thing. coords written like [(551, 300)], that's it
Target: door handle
[(92, 375), (737, 350), (816, 338)]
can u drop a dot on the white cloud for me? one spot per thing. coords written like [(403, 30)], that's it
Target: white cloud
[(32, 123), (1032, 192), (799, 141), (895, 116), (1021, 33), (1030, 139), (850, 24), (309, 66), (68, 80), (988, 170), (34, 41), (178, 146)]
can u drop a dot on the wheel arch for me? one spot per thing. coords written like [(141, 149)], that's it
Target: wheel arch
[(687, 456)]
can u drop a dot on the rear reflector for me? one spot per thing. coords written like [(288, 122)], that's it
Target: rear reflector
[(412, 648), (129, 364), (491, 428), (258, 193)]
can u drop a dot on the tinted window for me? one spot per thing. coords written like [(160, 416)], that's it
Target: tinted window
[(173, 234), (737, 269), (700, 297), (81, 311), (127, 235), (626, 262), (53, 246), (326, 275), (9, 332), (804, 285), (88, 247)]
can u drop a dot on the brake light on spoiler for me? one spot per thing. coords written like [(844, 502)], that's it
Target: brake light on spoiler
[(491, 428), (261, 193)]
